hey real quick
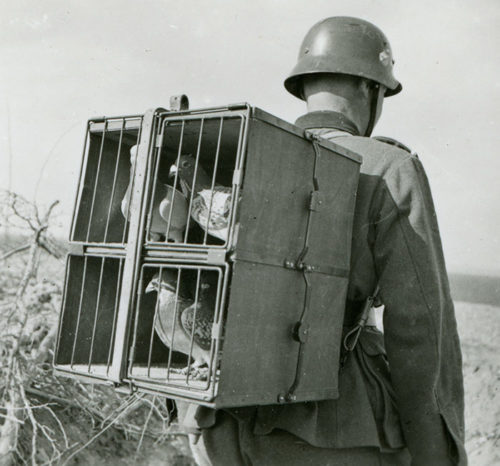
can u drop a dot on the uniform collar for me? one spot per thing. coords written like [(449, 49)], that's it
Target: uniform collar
[(327, 119)]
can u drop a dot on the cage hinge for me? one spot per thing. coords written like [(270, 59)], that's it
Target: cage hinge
[(286, 398), (300, 331), (315, 201), (159, 141), (76, 249), (237, 177), (299, 265), (216, 256)]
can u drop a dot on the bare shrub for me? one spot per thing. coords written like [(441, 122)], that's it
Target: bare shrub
[(46, 419)]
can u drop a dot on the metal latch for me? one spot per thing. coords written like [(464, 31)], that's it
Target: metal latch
[(315, 201)]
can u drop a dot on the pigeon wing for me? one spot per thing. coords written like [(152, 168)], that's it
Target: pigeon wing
[(165, 317), (211, 210), (202, 334)]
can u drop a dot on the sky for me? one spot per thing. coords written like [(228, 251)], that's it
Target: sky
[(64, 61)]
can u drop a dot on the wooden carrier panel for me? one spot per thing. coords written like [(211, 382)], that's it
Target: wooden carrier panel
[(272, 287)]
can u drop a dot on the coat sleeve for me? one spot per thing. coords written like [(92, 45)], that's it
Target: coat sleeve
[(419, 322)]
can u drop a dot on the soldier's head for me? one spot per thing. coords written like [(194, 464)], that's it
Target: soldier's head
[(348, 58)]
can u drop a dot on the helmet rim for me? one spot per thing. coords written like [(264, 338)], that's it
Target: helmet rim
[(344, 45)]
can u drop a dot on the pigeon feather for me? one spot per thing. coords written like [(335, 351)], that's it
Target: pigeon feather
[(175, 315), (210, 207)]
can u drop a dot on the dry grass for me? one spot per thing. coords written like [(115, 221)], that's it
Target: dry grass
[(45, 419)]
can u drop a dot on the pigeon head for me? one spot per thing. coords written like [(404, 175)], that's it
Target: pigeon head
[(185, 168), (168, 282)]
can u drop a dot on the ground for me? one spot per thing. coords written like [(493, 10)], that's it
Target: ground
[(479, 329)]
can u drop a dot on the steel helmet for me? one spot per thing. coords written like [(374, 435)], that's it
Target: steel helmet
[(346, 45)]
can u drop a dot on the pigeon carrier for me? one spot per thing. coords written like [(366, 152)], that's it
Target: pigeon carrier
[(209, 258)]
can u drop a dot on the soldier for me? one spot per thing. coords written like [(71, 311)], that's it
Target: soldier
[(401, 392)]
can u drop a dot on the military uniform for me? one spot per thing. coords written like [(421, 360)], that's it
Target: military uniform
[(419, 403), (401, 392)]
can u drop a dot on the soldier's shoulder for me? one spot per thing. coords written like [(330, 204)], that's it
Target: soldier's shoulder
[(380, 147), (395, 143)]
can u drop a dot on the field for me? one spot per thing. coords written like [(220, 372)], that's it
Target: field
[(479, 328)]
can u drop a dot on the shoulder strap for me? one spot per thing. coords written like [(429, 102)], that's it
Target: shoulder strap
[(351, 338), (394, 142)]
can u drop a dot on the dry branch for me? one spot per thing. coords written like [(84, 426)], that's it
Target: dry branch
[(37, 410)]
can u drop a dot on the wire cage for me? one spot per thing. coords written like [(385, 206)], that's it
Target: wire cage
[(209, 257), (194, 167)]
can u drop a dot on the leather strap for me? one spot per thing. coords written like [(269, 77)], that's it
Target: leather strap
[(377, 98)]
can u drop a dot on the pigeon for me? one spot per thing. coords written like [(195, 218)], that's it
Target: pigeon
[(125, 205), (210, 207), (161, 205), (174, 208), (171, 299)]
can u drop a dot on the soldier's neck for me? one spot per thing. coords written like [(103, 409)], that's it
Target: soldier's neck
[(328, 101), (339, 93)]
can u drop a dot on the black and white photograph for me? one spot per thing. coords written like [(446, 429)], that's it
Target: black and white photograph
[(240, 233)]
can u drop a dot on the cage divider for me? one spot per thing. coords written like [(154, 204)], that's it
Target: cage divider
[(133, 168), (153, 195), (134, 247)]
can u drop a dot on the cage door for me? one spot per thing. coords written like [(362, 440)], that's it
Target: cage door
[(101, 278)]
